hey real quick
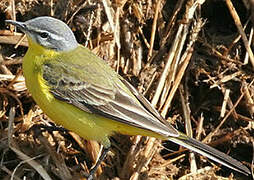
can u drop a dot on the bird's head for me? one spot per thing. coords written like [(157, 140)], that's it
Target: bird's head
[(48, 32)]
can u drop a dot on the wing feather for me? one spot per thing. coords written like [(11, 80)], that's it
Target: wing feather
[(107, 95)]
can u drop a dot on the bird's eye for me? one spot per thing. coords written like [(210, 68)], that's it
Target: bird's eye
[(44, 35)]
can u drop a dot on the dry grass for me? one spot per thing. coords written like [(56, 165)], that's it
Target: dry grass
[(191, 59)]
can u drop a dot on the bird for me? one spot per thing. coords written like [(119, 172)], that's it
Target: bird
[(81, 92)]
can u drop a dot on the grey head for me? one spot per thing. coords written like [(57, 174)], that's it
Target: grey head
[(49, 32)]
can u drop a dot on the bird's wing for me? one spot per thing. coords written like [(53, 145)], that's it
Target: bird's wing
[(91, 85)]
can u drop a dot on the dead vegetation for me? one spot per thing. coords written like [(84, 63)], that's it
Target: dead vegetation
[(192, 59)]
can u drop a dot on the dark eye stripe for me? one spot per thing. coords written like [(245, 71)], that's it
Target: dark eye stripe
[(44, 35)]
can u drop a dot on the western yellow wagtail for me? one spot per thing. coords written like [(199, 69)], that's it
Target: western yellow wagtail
[(79, 91)]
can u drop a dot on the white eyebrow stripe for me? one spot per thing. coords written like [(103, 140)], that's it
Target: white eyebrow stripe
[(56, 37)]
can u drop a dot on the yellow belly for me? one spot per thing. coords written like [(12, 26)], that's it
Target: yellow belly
[(87, 125)]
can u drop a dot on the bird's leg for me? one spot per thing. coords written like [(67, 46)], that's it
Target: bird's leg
[(98, 162)]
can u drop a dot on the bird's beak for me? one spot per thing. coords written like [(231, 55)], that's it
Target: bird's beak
[(21, 25)]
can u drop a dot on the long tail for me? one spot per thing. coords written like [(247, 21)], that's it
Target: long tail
[(210, 153)]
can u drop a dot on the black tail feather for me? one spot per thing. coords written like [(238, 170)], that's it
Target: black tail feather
[(211, 153)]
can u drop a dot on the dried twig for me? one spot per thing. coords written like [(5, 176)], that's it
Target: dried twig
[(240, 29)]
